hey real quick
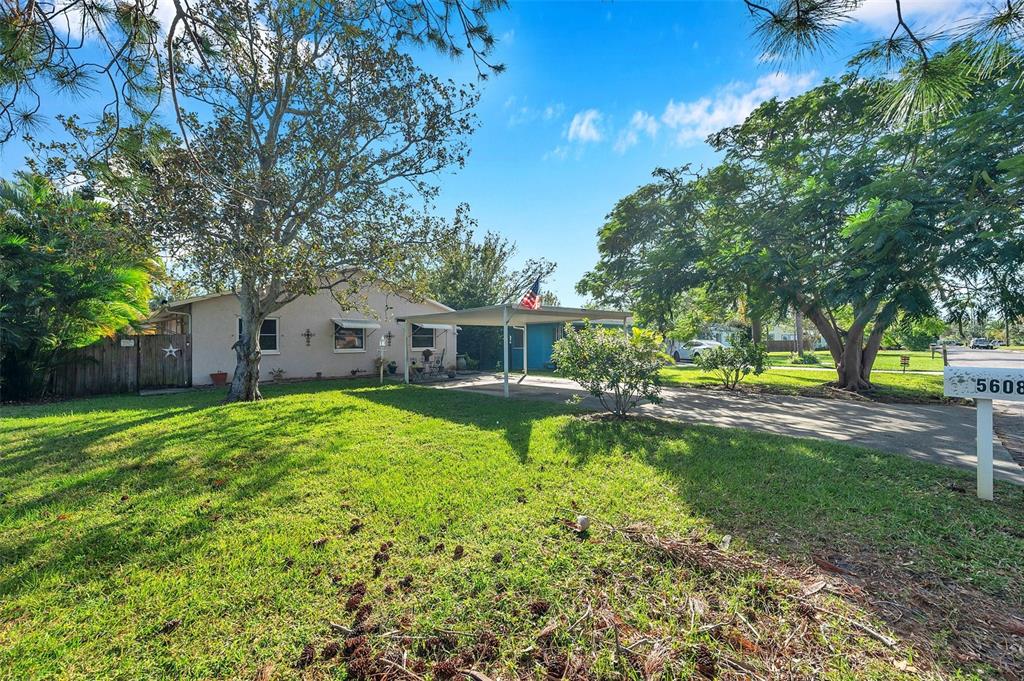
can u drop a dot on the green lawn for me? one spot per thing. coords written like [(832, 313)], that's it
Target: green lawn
[(813, 382), (887, 360), (175, 537)]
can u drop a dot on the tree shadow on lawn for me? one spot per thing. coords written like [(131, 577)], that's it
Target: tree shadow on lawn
[(929, 558), (149, 490), (513, 418), (808, 495), (124, 464)]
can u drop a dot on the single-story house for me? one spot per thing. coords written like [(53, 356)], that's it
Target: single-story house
[(536, 329), (312, 336)]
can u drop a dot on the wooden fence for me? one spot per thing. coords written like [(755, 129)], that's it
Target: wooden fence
[(125, 364)]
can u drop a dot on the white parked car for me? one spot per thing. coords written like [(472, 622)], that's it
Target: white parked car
[(688, 351)]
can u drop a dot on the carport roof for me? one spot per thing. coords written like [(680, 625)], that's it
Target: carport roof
[(494, 315)]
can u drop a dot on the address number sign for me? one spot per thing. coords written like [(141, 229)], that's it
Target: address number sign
[(984, 384), (992, 383)]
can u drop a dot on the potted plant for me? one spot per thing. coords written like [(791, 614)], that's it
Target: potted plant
[(452, 372), (219, 378), (427, 354), (277, 374), (392, 367)]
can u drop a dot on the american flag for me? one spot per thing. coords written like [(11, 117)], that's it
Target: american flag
[(531, 300)]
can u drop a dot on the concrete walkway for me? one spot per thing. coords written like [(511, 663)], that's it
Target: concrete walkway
[(937, 433)]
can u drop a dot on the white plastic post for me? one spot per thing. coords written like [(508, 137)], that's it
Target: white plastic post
[(504, 327), (405, 349), (984, 412)]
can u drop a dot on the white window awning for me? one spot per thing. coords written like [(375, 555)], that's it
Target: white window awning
[(356, 323), (442, 327)]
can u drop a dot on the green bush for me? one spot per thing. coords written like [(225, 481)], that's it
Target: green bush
[(806, 358), (618, 370), (735, 363)]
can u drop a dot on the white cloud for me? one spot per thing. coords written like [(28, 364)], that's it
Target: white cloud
[(693, 121), (553, 111), (641, 123), (520, 111), (585, 127), (559, 153), (881, 14)]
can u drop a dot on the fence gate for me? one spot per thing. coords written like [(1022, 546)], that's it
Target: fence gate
[(164, 361)]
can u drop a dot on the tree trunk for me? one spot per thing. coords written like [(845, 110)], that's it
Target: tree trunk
[(867, 359), (755, 330), (851, 369), (245, 384), (828, 332)]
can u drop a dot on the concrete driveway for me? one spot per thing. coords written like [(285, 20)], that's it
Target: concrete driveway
[(937, 433)]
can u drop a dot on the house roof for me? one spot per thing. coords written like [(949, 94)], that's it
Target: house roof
[(196, 299), (498, 315)]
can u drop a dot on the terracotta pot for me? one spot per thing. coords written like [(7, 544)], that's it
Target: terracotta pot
[(219, 378)]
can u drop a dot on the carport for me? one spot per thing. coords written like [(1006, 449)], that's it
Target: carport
[(505, 316)]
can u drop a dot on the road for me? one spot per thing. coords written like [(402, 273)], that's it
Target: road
[(986, 358)]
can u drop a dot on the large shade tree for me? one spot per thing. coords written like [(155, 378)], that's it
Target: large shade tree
[(820, 206), (306, 162)]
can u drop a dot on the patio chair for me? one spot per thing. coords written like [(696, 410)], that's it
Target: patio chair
[(436, 368)]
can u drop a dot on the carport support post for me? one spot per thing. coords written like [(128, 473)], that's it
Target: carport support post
[(984, 412), (405, 348), (504, 344)]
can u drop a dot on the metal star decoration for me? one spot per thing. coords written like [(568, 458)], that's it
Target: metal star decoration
[(170, 351)]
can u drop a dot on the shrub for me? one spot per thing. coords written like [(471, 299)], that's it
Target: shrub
[(735, 363), (806, 358), (618, 370)]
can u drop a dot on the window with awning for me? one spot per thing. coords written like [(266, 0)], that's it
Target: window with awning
[(423, 336), (350, 334)]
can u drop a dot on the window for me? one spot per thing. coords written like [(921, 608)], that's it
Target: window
[(349, 340), (422, 338), (268, 335)]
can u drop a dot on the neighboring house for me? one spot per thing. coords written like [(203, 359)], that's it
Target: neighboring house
[(310, 336), (721, 333)]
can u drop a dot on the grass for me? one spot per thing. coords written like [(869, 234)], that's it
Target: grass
[(175, 537), (887, 360), (909, 387)]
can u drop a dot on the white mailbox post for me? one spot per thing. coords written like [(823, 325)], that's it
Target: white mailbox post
[(984, 385)]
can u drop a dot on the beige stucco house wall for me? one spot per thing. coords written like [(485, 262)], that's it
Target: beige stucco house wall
[(214, 329)]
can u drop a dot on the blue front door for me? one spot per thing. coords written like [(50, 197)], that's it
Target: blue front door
[(515, 349)]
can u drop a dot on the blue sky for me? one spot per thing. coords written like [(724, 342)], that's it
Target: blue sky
[(597, 95)]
